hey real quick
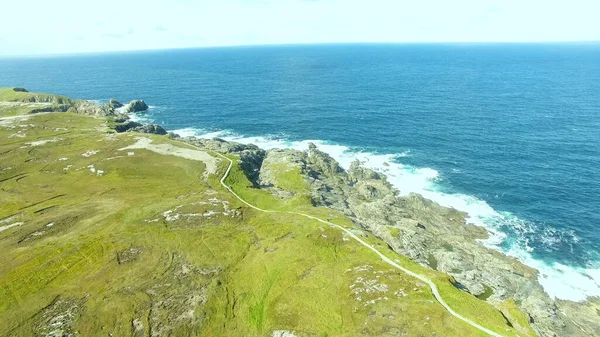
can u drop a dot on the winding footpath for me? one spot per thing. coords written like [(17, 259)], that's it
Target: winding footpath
[(432, 285)]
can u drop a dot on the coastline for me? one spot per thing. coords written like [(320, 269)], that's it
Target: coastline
[(430, 234), (504, 276), (560, 281)]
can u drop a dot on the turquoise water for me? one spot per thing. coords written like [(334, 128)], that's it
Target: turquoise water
[(509, 133)]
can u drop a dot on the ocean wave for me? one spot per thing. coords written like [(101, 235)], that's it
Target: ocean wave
[(508, 234)]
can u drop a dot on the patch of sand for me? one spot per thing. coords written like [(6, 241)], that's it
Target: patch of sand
[(168, 149)]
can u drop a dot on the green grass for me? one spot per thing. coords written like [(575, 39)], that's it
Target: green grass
[(394, 232), (289, 178), (13, 103), (9, 95), (235, 272), (469, 306)]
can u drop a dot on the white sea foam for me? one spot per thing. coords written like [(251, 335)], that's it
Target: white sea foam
[(139, 118), (558, 280), (186, 132)]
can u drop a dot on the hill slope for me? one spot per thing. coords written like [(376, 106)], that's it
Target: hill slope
[(133, 235)]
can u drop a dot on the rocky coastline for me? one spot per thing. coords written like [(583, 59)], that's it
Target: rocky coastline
[(434, 236)]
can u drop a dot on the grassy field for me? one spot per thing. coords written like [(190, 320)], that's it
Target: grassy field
[(101, 242), (12, 95), (13, 103)]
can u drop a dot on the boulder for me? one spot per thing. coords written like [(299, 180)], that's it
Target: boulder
[(20, 90), (325, 164), (150, 128), (114, 104), (357, 172), (126, 126), (121, 118), (136, 106)]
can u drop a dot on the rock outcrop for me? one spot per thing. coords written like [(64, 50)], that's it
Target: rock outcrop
[(126, 126), (131, 126), (114, 104), (20, 90), (150, 128), (252, 156), (90, 108), (136, 106), (432, 235)]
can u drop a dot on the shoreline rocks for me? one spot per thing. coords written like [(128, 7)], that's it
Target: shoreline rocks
[(114, 104), (434, 236), (136, 106)]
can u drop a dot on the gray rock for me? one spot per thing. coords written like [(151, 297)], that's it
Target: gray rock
[(90, 108), (149, 128), (114, 104), (251, 155), (430, 234), (357, 172), (222, 146), (120, 118), (20, 90), (136, 106), (126, 126)]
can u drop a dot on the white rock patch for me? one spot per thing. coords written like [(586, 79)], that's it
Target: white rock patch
[(41, 142), (283, 333), (89, 153), (19, 134), (3, 228), (94, 170)]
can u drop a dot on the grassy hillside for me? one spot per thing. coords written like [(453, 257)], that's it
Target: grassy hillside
[(19, 95), (98, 241), (14, 101)]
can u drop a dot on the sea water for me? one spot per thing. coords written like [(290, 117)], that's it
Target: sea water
[(509, 133)]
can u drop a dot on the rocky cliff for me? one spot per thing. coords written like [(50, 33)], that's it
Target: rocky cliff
[(432, 235)]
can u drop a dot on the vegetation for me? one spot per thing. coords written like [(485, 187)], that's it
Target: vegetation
[(18, 95), (15, 101), (98, 241)]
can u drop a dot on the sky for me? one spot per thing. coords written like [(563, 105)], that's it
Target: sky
[(39, 27)]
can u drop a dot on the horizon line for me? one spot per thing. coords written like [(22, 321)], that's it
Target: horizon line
[(131, 51)]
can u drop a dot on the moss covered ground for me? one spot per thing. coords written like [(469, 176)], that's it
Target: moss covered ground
[(101, 242)]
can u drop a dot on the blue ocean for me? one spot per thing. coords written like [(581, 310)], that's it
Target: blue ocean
[(509, 133)]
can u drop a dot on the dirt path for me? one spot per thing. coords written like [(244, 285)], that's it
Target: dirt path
[(387, 260)]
